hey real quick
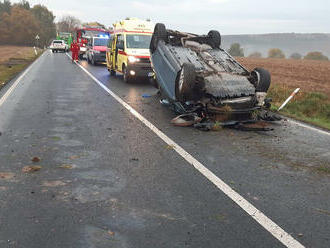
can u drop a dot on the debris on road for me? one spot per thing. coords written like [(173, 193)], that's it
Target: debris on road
[(196, 76), (67, 166), (186, 120), (146, 95), (6, 175), (53, 183), (35, 159), (31, 168)]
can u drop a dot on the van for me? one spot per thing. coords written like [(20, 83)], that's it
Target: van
[(96, 49), (128, 49)]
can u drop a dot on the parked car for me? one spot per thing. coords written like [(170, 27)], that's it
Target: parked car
[(195, 75), (96, 49), (59, 45)]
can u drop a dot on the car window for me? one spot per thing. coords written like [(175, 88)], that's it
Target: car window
[(100, 42), (57, 41), (138, 41)]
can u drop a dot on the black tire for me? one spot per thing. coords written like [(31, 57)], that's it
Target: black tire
[(261, 79), (88, 60), (53, 51), (112, 72), (125, 75), (185, 83), (160, 33), (93, 61), (214, 39)]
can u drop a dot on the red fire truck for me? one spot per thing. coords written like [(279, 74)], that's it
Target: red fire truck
[(87, 32)]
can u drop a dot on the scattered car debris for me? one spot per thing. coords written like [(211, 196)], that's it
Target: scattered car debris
[(31, 168), (197, 77), (186, 120)]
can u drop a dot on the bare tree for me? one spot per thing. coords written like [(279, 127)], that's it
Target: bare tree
[(68, 24)]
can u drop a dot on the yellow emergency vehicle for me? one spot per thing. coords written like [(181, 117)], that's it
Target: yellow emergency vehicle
[(128, 49)]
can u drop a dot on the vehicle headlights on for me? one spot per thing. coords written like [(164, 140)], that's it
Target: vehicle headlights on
[(133, 59)]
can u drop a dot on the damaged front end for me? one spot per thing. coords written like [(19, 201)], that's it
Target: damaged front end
[(198, 78)]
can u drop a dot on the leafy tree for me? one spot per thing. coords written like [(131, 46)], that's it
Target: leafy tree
[(276, 53), (236, 50), (23, 4), (5, 7), (19, 28), (295, 56), (68, 24), (316, 56), (46, 21), (255, 55)]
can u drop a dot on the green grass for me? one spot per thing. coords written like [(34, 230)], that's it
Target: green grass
[(311, 107)]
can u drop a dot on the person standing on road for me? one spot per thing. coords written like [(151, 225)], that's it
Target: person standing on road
[(75, 51)]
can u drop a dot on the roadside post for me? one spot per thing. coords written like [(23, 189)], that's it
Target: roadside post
[(289, 98)]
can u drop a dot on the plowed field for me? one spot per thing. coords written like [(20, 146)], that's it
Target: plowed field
[(309, 75)]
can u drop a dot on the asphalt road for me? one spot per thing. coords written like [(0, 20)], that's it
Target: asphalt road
[(107, 180)]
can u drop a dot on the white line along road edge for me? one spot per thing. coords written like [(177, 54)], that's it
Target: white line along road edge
[(256, 214), (18, 80)]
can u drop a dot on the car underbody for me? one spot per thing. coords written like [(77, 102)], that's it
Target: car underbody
[(206, 85)]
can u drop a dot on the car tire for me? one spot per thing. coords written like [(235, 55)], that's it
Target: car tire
[(214, 38), (185, 83), (160, 33), (125, 75), (261, 79), (93, 61)]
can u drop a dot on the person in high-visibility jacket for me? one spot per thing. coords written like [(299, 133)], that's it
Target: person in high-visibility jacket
[(75, 51)]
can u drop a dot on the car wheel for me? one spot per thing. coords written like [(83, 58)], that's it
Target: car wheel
[(214, 39), (261, 79), (185, 83), (93, 61), (53, 51), (125, 75), (88, 60), (160, 33)]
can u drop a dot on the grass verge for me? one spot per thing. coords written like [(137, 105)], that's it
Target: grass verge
[(9, 69), (311, 107)]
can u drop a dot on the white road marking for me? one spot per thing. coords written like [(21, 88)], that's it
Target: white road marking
[(11, 89), (285, 238), (309, 127)]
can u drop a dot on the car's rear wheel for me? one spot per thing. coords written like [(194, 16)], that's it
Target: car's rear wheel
[(160, 33), (214, 39), (185, 83), (261, 79)]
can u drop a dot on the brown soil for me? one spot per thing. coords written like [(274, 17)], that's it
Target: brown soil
[(309, 75), (9, 52)]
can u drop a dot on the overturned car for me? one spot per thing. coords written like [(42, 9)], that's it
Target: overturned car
[(203, 82)]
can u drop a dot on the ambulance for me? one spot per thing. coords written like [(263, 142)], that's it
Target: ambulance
[(128, 49)]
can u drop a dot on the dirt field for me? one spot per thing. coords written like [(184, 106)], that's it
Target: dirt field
[(309, 75), (7, 52)]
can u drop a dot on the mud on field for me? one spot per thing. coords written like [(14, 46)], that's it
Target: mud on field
[(309, 75)]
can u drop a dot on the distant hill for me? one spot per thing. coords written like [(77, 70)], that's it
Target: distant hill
[(287, 42)]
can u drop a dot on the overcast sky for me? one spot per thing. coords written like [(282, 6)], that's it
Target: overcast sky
[(199, 16)]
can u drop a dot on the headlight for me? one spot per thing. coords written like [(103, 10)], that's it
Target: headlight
[(133, 59)]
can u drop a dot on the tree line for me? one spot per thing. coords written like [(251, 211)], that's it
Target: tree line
[(20, 24), (237, 51)]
